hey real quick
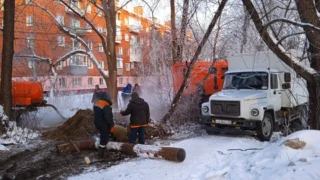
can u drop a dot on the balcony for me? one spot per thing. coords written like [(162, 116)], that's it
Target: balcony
[(119, 71), (134, 28), (118, 38), (78, 70)]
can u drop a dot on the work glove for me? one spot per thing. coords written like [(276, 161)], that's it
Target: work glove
[(112, 130)]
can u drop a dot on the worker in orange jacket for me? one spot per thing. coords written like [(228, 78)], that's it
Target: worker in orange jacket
[(139, 119), (103, 120)]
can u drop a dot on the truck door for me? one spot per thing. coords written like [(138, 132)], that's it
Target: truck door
[(275, 91)]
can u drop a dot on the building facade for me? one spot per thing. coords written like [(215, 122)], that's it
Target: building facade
[(37, 34)]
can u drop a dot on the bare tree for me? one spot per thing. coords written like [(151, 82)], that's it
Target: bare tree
[(7, 56), (310, 24), (183, 86)]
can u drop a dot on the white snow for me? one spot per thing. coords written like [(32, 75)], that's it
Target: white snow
[(208, 158)]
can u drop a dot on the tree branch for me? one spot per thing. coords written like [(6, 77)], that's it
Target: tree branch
[(279, 51)]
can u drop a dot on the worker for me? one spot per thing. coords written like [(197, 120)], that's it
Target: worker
[(137, 89), (103, 120), (139, 113), (126, 93), (97, 90)]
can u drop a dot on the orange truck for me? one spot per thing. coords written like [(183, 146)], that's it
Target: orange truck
[(27, 95), (212, 85)]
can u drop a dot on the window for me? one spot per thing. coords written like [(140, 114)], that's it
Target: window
[(90, 64), (102, 64), (132, 65), (90, 81), (29, 20), (30, 42), (126, 51), (88, 9), (74, 4), (88, 28), (120, 50), (101, 81), (58, 1), (90, 44), (120, 81), (28, 1), (60, 19), (99, 13), (126, 37), (274, 81), (100, 48), (74, 23), (119, 64), (61, 41), (76, 82), (78, 60), (100, 29), (60, 63), (127, 66), (62, 82), (76, 44)]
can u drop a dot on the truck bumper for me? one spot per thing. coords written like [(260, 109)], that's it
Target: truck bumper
[(235, 126)]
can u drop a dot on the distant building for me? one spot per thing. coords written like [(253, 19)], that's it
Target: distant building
[(36, 32)]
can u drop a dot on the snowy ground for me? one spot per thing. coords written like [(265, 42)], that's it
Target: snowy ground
[(208, 158)]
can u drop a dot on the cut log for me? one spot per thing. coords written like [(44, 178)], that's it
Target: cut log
[(148, 151)]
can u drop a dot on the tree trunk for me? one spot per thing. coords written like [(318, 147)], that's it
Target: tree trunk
[(245, 30), (173, 32), (216, 39), (183, 86), (184, 23), (310, 17), (7, 56), (110, 51)]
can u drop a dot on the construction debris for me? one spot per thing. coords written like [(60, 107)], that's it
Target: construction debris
[(295, 143), (148, 151)]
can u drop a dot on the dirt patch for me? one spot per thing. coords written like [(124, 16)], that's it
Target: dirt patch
[(44, 163), (81, 126), (295, 143)]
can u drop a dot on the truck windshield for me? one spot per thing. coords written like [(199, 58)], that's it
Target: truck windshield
[(246, 80)]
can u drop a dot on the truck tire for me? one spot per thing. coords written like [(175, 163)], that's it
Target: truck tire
[(265, 127)]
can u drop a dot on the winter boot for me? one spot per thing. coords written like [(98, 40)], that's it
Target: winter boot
[(101, 151)]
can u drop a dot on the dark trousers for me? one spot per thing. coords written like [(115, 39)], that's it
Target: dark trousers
[(134, 132), (104, 133)]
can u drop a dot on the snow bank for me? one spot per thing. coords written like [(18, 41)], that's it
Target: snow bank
[(210, 157), (14, 134)]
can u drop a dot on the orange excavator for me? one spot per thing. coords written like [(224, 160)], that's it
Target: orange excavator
[(28, 96), (214, 82)]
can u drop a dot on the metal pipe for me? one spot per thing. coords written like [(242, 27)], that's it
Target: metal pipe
[(148, 151)]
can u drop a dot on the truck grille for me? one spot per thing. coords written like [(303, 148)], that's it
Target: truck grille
[(230, 108)]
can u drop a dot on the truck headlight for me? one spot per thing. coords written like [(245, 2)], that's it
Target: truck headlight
[(205, 109), (254, 112)]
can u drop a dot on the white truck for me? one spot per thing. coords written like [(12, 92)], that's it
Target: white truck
[(260, 94)]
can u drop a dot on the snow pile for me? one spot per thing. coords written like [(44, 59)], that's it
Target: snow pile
[(222, 157), (14, 134)]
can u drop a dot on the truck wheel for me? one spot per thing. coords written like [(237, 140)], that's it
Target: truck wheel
[(265, 127)]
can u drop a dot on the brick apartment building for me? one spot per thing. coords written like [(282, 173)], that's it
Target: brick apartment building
[(36, 33)]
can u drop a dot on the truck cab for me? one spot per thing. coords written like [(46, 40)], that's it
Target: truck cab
[(251, 99)]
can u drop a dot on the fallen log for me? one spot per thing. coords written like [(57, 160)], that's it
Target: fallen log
[(148, 151)]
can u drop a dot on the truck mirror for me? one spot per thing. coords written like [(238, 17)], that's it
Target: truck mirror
[(286, 85), (287, 77), (212, 70)]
